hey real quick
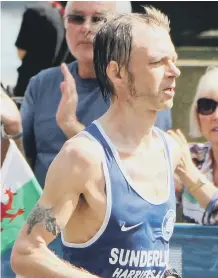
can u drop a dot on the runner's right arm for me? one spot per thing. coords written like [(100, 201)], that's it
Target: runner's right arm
[(67, 178)]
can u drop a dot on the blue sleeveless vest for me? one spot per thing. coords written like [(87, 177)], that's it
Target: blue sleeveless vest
[(133, 241)]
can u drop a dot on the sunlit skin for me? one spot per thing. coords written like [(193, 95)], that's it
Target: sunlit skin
[(80, 37), (152, 66), (80, 206)]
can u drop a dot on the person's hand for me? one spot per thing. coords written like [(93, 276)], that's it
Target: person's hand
[(10, 115), (186, 162), (66, 113)]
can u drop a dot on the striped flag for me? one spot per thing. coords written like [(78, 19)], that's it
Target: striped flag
[(19, 193)]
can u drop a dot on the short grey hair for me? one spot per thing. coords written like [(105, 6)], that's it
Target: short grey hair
[(207, 82), (121, 7)]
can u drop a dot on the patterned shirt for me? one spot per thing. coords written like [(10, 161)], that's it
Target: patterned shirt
[(202, 157)]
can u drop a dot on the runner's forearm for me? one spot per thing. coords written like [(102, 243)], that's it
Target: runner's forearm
[(45, 264)]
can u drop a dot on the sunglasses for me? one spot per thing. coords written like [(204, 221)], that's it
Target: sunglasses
[(206, 106), (80, 19)]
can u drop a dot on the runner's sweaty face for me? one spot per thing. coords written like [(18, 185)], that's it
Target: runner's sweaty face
[(149, 81), (152, 67)]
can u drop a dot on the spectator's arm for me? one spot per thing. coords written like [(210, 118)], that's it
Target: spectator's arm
[(72, 128), (210, 216), (178, 189), (11, 125), (196, 182), (66, 113), (198, 185), (28, 114)]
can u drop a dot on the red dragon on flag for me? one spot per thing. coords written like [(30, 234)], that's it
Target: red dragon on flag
[(6, 207)]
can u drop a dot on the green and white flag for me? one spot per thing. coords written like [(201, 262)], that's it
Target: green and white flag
[(20, 192)]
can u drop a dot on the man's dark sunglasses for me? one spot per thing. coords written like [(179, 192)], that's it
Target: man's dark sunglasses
[(206, 106), (80, 19)]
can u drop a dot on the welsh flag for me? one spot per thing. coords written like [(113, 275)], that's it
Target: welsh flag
[(19, 193)]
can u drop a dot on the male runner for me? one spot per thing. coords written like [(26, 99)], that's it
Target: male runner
[(110, 190)]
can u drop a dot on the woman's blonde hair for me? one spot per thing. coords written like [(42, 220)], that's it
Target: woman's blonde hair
[(208, 82)]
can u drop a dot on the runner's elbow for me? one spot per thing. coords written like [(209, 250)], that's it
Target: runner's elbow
[(16, 262), (21, 257)]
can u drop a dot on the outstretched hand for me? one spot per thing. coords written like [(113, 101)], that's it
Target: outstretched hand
[(66, 113)]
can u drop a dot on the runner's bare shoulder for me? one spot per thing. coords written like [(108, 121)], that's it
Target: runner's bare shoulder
[(78, 162)]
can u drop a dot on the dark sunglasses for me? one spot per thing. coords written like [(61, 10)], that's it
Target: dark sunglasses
[(206, 106), (80, 19)]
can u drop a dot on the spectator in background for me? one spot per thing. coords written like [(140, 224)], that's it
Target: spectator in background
[(41, 40), (203, 123)]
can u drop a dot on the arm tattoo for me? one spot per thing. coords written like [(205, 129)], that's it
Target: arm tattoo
[(41, 215)]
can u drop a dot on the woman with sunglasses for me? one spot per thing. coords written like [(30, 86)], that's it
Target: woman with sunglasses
[(203, 123)]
